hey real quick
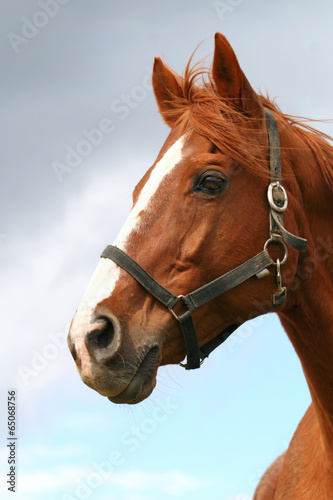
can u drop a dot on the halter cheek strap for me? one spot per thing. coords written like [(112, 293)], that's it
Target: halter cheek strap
[(256, 266)]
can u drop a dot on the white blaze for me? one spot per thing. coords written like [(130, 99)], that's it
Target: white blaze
[(106, 274)]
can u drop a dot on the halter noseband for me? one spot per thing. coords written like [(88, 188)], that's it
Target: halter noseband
[(256, 266)]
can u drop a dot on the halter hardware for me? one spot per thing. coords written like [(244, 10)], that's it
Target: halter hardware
[(280, 295), (277, 197), (279, 241), (171, 308), (255, 266)]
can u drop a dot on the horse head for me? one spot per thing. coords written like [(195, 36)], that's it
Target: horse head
[(199, 212)]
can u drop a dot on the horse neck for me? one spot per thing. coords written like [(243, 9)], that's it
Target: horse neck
[(308, 316)]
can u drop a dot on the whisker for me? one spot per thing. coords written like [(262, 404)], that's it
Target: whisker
[(122, 359)]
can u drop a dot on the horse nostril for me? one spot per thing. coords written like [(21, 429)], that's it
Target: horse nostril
[(105, 337), (101, 336)]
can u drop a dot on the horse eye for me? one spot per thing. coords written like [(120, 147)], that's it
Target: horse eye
[(210, 183)]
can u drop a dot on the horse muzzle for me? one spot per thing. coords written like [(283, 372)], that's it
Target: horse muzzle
[(118, 370)]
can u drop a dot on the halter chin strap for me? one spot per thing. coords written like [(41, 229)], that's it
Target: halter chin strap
[(256, 266)]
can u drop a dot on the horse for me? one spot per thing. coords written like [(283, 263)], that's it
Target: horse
[(231, 221)]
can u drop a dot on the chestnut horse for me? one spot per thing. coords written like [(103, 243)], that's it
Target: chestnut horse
[(203, 245)]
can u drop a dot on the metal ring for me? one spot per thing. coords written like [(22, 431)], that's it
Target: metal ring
[(172, 311), (279, 242), (271, 201)]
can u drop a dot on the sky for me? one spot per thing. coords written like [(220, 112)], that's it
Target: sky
[(67, 69)]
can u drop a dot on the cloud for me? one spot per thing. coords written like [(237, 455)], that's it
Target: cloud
[(129, 484), (55, 479), (54, 269), (171, 482), (42, 452)]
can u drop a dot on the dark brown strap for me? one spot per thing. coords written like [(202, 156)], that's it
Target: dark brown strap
[(193, 353), (274, 146), (192, 300), (123, 260), (163, 295), (274, 166), (291, 239), (276, 227), (207, 348), (228, 281)]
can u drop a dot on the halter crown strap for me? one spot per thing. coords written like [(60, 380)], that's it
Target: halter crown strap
[(278, 201), (277, 196)]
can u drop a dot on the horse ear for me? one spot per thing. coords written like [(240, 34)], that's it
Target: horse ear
[(166, 90), (230, 80)]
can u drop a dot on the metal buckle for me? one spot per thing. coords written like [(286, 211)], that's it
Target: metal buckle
[(180, 297), (184, 365), (271, 201)]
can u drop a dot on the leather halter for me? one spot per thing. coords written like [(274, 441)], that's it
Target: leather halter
[(256, 266)]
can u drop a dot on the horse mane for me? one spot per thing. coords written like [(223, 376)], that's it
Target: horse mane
[(317, 141), (200, 107)]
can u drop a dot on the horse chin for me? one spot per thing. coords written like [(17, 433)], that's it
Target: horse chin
[(143, 381)]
